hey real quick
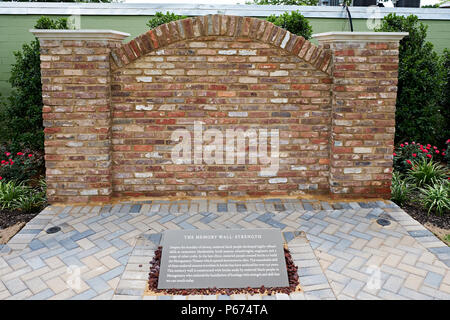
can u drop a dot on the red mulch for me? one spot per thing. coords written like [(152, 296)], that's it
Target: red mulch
[(291, 270)]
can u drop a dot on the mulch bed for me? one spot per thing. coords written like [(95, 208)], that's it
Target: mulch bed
[(291, 270), (10, 218), (422, 216)]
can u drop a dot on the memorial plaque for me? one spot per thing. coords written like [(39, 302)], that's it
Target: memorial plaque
[(223, 259)]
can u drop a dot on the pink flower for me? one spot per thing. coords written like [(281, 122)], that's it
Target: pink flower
[(413, 142), (448, 141), (437, 151), (395, 154), (8, 154), (429, 156), (1, 178), (30, 155), (414, 155), (402, 145), (408, 161), (20, 153), (406, 143)]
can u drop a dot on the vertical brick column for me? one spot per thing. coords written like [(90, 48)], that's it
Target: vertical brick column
[(75, 69), (364, 91)]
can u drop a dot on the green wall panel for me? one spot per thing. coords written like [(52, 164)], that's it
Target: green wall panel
[(14, 32)]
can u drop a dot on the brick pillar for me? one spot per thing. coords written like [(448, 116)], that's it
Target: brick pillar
[(76, 76), (364, 92)]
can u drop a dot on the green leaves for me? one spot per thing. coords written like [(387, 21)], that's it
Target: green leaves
[(47, 23), (161, 18), (436, 197), (17, 196), (400, 189), (294, 22), (426, 172), (419, 111)]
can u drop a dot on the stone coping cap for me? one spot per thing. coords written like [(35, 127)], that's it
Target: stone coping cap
[(360, 36), (86, 34)]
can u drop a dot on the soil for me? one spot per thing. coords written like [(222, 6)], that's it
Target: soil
[(152, 287), (12, 222), (422, 216), (439, 225)]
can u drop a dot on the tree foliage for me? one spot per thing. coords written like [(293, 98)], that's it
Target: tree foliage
[(161, 18), (294, 22), (419, 110)]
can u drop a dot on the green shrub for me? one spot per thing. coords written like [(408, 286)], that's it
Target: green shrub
[(419, 114), (436, 197), (408, 152), (294, 22), (48, 23), (20, 166), (21, 115), (400, 189), (426, 172), (161, 18)]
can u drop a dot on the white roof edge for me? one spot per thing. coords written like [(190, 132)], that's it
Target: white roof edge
[(145, 9), (359, 36), (85, 34)]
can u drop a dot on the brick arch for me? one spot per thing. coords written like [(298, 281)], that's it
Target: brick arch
[(221, 25)]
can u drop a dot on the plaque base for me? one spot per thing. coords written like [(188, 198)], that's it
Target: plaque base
[(152, 285)]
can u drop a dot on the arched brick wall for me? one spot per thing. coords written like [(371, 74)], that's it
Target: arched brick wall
[(222, 76), (109, 109)]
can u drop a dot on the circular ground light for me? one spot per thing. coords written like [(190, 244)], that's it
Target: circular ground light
[(383, 222), (53, 230)]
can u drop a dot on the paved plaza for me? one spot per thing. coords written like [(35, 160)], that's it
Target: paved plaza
[(103, 252)]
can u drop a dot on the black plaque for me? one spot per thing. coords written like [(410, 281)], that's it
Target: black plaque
[(223, 259)]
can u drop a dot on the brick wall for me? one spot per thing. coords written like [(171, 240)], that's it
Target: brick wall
[(110, 110)]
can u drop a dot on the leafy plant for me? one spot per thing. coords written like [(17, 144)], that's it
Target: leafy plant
[(10, 192), (426, 172), (160, 18), (419, 113), (400, 189), (30, 202), (17, 196), (294, 22), (20, 166), (48, 23), (436, 197), (407, 153)]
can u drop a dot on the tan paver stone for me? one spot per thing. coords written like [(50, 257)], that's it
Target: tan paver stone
[(55, 273), (36, 285), (392, 260), (21, 295), (445, 287), (35, 273), (57, 285), (4, 295), (113, 282), (411, 269), (410, 258), (99, 255), (66, 294)]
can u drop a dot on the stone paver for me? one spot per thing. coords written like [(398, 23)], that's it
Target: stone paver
[(103, 252)]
